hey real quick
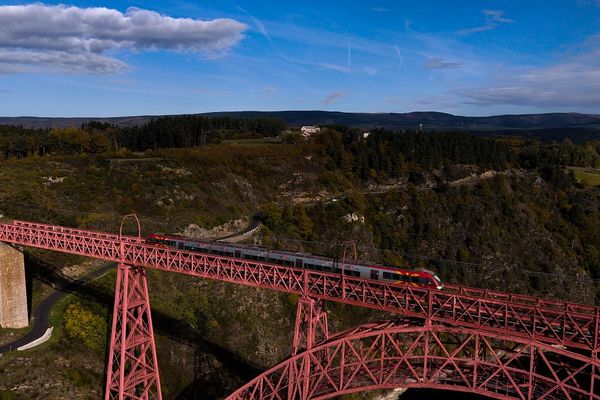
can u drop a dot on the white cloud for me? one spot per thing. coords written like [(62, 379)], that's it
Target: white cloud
[(23, 60), (333, 97), (493, 18), (84, 39), (335, 67), (572, 83), (371, 71), (497, 16)]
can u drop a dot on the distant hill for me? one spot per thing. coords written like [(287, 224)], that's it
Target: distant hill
[(61, 122), (394, 121)]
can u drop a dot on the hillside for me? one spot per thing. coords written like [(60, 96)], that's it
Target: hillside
[(394, 121), (476, 210)]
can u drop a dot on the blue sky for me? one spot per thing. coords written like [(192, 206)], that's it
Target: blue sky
[(111, 58)]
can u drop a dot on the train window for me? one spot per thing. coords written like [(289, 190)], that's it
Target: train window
[(348, 272), (387, 275), (299, 262), (422, 281), (413, 279)]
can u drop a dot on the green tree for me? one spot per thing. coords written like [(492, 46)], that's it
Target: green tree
[(85, 325)]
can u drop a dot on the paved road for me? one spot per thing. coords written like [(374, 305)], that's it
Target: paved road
[(42, 311), (235, 237)]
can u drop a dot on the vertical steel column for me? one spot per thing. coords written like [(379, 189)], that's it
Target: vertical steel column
[(132, 372), (310, 328), (311, 324)]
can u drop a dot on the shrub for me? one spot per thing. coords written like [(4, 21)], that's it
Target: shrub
[(86, 326)]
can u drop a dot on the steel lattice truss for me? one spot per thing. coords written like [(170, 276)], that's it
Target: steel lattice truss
[(409, 355), (132, 365), (311, 324), (559, 323)]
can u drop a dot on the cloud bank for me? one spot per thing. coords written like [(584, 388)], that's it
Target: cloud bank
[(574, 83), (84, 40)]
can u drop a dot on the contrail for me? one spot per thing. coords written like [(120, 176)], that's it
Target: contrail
[(349, 55), (400, 57)]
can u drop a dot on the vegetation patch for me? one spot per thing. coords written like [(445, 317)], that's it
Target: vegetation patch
[(586, 176)]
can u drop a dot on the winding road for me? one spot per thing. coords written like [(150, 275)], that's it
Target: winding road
[(42, 311)]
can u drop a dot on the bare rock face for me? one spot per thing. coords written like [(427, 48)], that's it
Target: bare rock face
[(13, 295), (228, 228)]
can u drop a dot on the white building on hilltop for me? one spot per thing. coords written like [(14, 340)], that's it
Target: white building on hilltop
[(309, 130)]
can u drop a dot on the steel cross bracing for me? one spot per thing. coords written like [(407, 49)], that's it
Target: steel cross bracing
[(311, 324), (132, 371), (406, 354), (572, 325)]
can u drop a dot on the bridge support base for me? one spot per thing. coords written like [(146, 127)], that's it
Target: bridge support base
[(132, 364), (13, 292)]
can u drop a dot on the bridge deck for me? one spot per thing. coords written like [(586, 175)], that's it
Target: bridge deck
[(553, 322)]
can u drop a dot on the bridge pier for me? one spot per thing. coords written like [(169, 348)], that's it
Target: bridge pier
[(311, 324), (13, 292), (310, 328), (132, 372)]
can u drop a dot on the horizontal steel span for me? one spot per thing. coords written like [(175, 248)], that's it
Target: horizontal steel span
[(556, 323), (408, 355)]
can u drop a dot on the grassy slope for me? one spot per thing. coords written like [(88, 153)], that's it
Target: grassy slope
[(587, 176)]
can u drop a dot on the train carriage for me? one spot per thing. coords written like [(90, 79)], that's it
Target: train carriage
[(419, 278)]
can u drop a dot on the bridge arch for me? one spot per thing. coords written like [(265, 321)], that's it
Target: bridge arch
[(406, 353)]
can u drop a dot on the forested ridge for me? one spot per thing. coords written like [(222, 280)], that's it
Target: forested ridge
[(383, 150), (164, 132)]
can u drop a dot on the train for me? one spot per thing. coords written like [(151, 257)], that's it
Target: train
[(353, 268)]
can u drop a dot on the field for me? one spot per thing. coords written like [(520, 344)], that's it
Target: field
[(253, 141), (586, 176)]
